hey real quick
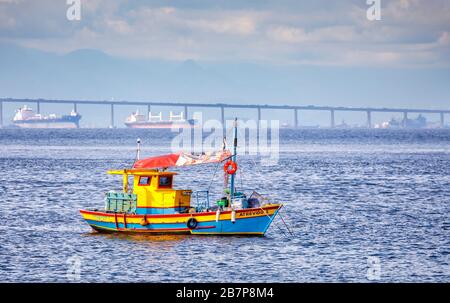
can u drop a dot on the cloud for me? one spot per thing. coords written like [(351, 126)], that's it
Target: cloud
[(411, 32), (119, 26), (444, 39), (300, 35), (240, 25)]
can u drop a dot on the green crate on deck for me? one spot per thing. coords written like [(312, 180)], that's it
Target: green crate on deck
[(120, 202)]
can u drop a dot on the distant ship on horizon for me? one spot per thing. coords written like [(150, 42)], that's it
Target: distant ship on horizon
[(137, 120), (417, 123), (26, 118)]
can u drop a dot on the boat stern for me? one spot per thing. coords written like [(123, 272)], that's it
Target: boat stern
[(249, 221)]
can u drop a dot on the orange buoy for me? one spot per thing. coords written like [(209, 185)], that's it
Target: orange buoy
[(230, 167)]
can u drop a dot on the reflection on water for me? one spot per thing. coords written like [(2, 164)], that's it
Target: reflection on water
[(348, 195), (147, 238)]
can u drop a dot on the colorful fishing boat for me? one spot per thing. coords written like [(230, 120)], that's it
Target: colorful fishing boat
[(153, 205)]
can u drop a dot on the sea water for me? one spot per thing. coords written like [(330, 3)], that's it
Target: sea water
[(362, 205)]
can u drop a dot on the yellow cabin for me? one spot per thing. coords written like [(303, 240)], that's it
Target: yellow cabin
[(152, 193)]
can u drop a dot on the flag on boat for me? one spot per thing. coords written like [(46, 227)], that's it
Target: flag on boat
[(182, 159)]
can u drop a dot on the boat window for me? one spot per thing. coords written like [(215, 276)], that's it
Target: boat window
[(144, 180), (165, 181)]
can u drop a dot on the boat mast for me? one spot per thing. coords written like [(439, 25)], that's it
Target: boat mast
[(138, 151), (234, 159)]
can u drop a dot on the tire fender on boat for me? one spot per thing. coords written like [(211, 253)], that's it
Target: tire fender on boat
[(233, 216), (217, 215), (144, 221), (192, 223)]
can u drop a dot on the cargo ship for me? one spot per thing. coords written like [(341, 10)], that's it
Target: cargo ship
[(417, 123), (137, 120), (26, 118)]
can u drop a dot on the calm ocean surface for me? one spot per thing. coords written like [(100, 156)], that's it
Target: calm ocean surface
[(363, 205)]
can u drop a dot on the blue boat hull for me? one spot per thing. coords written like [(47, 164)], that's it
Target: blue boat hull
[(247, 222)]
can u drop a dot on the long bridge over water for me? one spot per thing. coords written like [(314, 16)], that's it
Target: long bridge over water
[(222, 106)]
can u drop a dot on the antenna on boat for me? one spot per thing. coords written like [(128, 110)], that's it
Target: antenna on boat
[(233, 159), (138, 151)]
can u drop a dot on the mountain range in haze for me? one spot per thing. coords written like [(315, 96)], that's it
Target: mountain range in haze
[(94, 75)]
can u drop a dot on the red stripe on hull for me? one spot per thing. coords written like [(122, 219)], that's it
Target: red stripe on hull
[(99, 213), (159, 126)]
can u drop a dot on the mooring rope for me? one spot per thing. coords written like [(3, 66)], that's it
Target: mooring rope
[(212, 179), (287, 227), (273, 221)]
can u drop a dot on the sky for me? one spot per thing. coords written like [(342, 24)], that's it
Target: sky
[(411, 33), (284, 51)]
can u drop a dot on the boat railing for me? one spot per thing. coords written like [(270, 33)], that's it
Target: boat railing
[(201, 200), (120, 202), (263, 198)]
